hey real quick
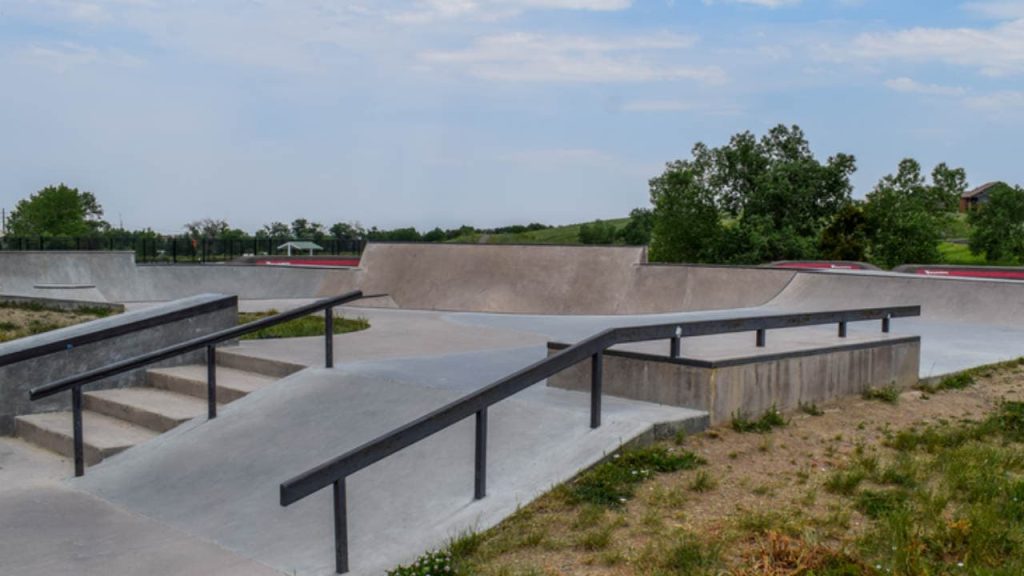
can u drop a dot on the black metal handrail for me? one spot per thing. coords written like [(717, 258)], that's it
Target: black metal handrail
[(334, 472), (209, 342)]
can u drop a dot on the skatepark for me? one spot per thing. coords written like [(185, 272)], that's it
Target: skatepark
[(177, 493)]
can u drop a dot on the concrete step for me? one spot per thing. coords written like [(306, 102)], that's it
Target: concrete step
[(275, 369), (190, 380), (102, 436), (153, 408)]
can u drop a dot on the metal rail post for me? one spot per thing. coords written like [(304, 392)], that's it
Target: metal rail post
[(596, 377), (329, 338), (211, 382), (76, 426), (480, 468)]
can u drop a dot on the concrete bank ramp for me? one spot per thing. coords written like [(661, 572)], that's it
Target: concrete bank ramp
[(219, 480), (535, 279)]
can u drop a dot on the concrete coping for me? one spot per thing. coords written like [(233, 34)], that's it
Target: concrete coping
[(763, 356), (102, 328)]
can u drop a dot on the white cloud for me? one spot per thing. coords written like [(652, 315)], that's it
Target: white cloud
[(995, 51), (670, 105), (1004, 101), (427, 11), (1002, 10), (762, 3), (909, 85), (524, 57), (64, 56)]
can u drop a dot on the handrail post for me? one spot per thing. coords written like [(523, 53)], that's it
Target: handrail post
[(596, 377), (761, 338), (674, 347), (340, 527), (480, 469), (842, 329), (329, 338), (211, 382), (885, 323), (76, 426)]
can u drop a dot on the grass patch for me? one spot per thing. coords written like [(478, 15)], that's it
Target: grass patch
[(21, 319), (313, 325), (771, 418), (887, 394), (614, 481), (811, 409)]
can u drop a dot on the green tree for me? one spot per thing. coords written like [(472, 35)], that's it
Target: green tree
[(906, 216), (687, 224), (997, 227), (597, 232), (846, 237), (637, 232), (435, 235), (274, 230), (207, 228), (305, 230), (346, 231), (57, 211), (750, 201)]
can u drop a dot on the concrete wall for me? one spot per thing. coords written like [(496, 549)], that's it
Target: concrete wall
[(16, 379), (753, 385)]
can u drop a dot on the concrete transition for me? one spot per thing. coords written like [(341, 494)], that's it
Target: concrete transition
[(448, 319)]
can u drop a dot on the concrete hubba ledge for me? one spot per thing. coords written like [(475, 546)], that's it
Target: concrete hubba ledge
[(60, 303), (751, 385), (83, 347)]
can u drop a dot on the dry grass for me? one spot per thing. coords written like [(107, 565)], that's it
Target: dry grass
[(18, 321), (824, 495)]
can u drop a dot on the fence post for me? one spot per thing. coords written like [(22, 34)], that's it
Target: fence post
[(340, 528), (596, 376), (480, 469), (76, 427), (211, 382), (329, 338)]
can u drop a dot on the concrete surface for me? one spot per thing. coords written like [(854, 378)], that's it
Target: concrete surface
[(17, 379), (227, 491), (755, 383), (215, 483)]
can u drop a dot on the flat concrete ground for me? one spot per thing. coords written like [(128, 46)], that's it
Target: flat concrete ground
[(203, 498)]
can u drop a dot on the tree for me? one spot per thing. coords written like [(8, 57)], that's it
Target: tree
[(57, 211), (435, 235), (750, 201), (207, 228), (637, 232), (346, 231), (305, 230), (997, 227), (906, 214), (597, 232), (687, 224), (846, 237), (274, 230)]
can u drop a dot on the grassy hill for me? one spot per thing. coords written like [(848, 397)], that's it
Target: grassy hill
[(568, 234)]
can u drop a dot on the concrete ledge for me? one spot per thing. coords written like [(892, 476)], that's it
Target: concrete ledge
[(43, 358), (751, 384)]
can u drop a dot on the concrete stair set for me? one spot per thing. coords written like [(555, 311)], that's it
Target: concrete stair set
[(116, 419)]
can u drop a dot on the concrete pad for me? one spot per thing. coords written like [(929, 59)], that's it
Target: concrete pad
[(53, 531), (227, 492)]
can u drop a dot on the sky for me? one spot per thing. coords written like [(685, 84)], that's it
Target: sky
[(482, 112)]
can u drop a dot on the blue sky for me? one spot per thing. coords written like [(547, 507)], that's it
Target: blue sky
[(486, 112)]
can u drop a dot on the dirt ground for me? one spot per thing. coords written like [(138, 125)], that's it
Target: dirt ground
[(752, 485)]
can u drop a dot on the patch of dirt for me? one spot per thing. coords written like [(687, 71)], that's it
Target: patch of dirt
[(755, 484)]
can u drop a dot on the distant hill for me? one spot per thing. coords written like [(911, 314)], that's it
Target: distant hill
[(568, 234)]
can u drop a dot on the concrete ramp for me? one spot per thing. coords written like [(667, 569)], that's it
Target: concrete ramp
[(991, 302), (219, 480)]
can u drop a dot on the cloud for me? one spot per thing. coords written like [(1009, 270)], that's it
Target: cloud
[(427, 11), (762, 3), (526, 57), (995, 51), (909, 85), (1005, 101), (670, 105), (62, 57), (1004, 10)]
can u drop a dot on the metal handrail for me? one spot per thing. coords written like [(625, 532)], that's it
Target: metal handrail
[(335, 471), (209, 342)]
